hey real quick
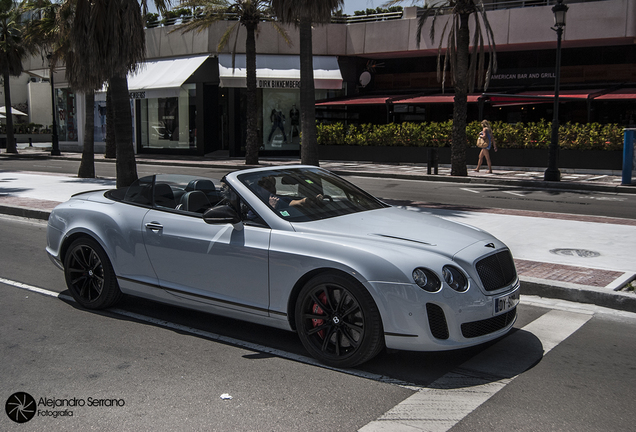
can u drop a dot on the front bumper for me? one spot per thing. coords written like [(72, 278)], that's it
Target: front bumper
[(415, 320)]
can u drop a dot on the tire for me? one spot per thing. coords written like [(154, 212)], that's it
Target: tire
[(90, 276), (338, 322)]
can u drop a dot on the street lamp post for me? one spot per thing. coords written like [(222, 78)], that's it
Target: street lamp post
[(553, 173), (55, 148)]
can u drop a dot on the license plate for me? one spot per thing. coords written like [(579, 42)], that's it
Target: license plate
[(507, 302)]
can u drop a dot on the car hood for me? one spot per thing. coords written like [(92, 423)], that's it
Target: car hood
[(398, 226)]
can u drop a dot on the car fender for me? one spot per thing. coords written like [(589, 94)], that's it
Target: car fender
[(115, 226)]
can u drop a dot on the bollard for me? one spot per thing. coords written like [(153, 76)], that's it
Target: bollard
[(629, 156), (431, 161)]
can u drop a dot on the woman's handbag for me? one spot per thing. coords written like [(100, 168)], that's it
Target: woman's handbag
[(481, 143)]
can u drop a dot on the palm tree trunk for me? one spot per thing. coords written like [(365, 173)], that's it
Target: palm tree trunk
[(111, 148), (87, 165), (252, 144), (126, 166), (11, 146), (458, 147), (309, 140)]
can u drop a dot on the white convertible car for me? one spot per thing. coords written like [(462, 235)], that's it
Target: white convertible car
[(293, 247)]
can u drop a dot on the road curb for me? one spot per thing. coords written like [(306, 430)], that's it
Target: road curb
[(618, 300), (25, 212)]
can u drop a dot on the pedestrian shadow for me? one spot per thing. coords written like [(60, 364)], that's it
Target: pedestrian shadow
[(12, 191)]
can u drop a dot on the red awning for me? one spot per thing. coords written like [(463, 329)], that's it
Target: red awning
[(436, 98), (359, 100), (622, 94), (535, 97), (408, 99)]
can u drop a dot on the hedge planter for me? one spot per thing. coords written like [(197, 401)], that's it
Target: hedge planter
[(571, 159)]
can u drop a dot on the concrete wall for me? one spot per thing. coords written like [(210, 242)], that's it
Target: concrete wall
[(608, 22), (39, 94)]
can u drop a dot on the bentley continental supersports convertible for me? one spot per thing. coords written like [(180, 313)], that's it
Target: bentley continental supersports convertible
[(293, 247)]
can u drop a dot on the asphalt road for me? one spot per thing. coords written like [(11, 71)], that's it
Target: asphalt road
[(437, 192), (167, 368)]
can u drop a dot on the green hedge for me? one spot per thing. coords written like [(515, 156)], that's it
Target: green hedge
[(574, 136)]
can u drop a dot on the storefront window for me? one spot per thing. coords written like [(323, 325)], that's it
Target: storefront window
[(99, 134), (281, 119), (169, 122), (66, 115)]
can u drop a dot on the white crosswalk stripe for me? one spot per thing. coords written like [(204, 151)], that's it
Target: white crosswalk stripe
[(458, 393)]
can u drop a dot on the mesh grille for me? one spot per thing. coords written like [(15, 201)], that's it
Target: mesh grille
[(487, 326), (497, 271), (437, 321)]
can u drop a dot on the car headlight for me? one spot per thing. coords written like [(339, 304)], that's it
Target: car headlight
[(455, 278), (426, 279)]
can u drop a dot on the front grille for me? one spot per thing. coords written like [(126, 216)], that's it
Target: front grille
[(487, 326), (437, 321), (497, 271)]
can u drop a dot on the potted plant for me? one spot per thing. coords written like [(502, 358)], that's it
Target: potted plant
[(152, 20)]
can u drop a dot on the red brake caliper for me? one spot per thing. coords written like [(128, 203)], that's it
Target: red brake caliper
[(316, 309)]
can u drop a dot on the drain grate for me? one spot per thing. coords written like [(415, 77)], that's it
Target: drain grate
[(582, 253)]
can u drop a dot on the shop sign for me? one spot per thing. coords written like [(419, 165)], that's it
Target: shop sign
[(522, 77), (278, 83), (137, 95)]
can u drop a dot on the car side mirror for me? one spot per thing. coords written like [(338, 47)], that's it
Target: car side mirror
[(221, 215)]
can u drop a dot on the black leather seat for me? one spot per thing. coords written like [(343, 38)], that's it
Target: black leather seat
[(195, 201), (164, 197)]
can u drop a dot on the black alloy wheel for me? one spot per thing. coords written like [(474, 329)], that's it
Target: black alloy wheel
[(338, 322), (89, 275)]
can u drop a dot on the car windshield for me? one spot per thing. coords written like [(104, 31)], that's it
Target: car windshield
[(306, 194)]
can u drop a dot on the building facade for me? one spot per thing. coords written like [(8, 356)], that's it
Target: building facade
[(189, 98)]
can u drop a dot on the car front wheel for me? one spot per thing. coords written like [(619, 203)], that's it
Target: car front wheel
[(338, 322), (90, 276)]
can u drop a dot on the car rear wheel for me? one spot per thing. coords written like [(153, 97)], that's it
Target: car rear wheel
[(338, 322), (90, 276)]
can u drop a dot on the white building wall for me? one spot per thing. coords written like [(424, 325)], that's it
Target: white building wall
[(39, 100)]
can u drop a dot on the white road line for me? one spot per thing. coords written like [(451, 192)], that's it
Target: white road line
[(514, 193), (225, 339), (470, 190), (595, 178), (458, 393)]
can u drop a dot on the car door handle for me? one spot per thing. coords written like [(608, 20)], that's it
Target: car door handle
[(154, 226)]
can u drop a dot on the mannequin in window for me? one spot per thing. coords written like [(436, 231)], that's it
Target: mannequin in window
[(278, 122), (294, 118)]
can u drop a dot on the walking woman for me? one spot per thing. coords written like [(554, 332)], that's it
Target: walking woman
[(486, 134)]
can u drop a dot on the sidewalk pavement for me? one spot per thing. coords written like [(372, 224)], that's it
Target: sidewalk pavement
[(570, 257)]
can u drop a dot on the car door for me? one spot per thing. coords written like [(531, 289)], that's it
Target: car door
[(218, 264)]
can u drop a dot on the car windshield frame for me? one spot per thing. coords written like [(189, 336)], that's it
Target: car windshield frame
[(308, 194)]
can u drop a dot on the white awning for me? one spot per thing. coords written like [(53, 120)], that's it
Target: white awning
[(161, 78), (279, 71), (3, 110)]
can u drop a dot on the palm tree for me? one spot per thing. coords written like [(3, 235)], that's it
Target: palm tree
[(106, 41), (249, 14), (304, 13), (465, 66), (49, 30), (12, 51)]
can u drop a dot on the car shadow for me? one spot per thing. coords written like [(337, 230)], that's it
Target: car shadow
[(503, 358)]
